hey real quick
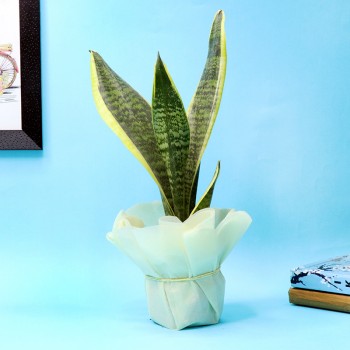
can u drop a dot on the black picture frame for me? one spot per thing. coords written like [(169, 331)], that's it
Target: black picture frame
[(30, 137)]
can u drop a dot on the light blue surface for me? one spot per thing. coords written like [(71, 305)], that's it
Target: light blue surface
[(283, 139)]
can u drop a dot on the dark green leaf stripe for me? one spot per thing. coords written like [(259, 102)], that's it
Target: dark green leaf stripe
[(205, 103), (130, 117), (205, 201), (172, 133)]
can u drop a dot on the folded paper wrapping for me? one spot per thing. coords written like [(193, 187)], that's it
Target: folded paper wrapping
[(181, 260), (177, 304)]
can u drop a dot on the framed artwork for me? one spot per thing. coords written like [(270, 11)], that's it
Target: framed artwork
[(20, 75)]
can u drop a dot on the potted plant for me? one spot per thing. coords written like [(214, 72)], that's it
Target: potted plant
[(179, 243)]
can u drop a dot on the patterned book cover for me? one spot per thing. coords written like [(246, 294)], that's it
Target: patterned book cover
[(332, 276)]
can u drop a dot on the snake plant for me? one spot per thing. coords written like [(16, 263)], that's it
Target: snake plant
[(168, 140)]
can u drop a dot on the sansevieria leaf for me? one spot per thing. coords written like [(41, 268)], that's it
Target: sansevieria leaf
[(205, 200), (194, 190), (130, 117), (172, 133), (205, 103)]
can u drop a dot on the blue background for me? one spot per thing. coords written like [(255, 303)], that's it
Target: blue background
[(283, 139)]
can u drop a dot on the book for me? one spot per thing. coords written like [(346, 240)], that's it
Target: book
[(322, 300), (331, 276)]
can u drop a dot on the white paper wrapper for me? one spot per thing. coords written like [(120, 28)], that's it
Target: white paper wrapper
[(181, 260), (177, 304)]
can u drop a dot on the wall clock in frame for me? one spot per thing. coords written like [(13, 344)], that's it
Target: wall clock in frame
[(20, 75)]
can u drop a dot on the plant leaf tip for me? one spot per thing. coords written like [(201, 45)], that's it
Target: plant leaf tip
[(220, 13), (159, 59)]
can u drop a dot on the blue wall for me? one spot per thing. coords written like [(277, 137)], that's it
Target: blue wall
[(282, 136)]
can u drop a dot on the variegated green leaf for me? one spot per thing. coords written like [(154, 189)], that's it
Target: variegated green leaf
[(130, 117), (172, 133), (205, 201), (194, 190), (205, 103)]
